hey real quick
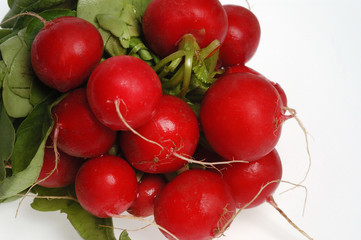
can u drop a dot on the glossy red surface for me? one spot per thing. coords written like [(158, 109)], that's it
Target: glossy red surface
[(163, 29), (65, 172), (129, 80), (149, 187), (65, 52), (247, 179), (242, 38), (106, 186), (174, 126), (80, 133), (245, 69), (194, 205), (241, 116)]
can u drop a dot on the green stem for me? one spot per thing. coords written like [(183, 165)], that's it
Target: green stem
[(171, 67), (176, 78), (211, 48), (138, 48), (188, 44), (169, 58)]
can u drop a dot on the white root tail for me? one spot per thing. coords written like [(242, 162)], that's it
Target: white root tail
[(294, 115), (117, 108), (278, 209)]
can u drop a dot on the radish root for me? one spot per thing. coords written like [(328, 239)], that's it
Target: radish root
[(205, 164), (293, 113), (271, 201), (248, 5), (187, 159), (117, 107), (146, 221), (25, 14), (49, 197), (221, 232)]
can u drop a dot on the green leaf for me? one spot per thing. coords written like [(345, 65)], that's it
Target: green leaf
[(36, 5), (119, 23), (52, 204), (7, 139), (36, 25), (28, 154), (2, 171), (38, 92), (32, 133), (140, 5), (124, 235), (118, 28), (20, 6), (15, 105), (88, 226), (88, 10), (113, 47), (5, 32), (14, 9), (11, 199), (8, 36), (24, 179), (18, 78), (2, 72)]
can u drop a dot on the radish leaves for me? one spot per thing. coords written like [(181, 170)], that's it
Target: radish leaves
[(88, 226)]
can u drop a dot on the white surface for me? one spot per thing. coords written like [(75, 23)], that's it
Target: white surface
[(312, 48)]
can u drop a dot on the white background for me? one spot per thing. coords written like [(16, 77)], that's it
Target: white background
[(312, 48)]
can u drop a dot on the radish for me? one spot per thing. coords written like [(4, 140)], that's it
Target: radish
[(165, 22), (241, 69), (80, 133), (254, 183), (245, 69), (196, 204), (65, 51), (174, 132), (242, 38), (106, 186), (129, 81), (149, 186), (241, 116), (246, 179), (60, 174)]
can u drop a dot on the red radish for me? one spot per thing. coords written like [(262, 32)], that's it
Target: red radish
[(245, 69), (174, 129), (254, 183), (149, 187), (165, 22), (241, 116), (80, 133), (281, 92), (246, 179), (241, 69), (64, 173), (197, 204), (130, 81), (65, 52), (242, 38), (106, 186)]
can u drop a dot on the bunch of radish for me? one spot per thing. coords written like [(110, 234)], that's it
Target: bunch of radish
[(150, 112)]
